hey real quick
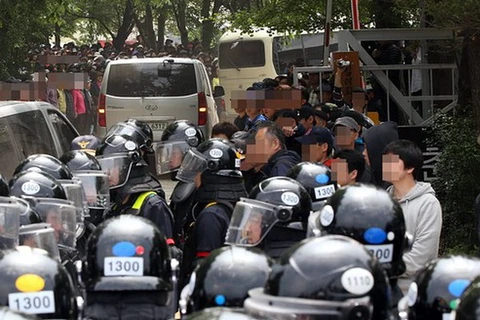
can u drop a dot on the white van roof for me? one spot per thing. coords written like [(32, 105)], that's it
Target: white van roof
[(154, 60)]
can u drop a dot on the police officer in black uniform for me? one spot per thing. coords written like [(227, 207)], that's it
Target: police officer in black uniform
[(273, 218), (94, 181), (332, 277), (214, 167), (369, 215), (179, 137), (128, 272), (33, 282), (141, 133), (224, 278), (132, 189), (437, 289)]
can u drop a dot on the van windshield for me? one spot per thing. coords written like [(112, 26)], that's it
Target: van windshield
[(143, 80)]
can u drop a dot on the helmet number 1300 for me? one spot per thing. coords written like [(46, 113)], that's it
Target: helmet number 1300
[(123, 266)]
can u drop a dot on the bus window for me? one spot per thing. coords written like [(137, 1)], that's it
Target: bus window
[(241, 54)]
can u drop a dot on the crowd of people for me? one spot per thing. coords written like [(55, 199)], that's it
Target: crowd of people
[(313, 212)]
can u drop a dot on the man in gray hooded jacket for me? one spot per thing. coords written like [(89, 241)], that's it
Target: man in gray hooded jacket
[(402, 160)]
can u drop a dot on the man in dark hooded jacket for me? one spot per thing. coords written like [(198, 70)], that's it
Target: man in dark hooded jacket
[(269, 155)]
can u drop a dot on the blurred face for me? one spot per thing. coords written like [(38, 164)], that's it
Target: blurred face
[(253, 229), (251, 110), (393, 168), (340, 173), (238, 109), (315, 152), (268, 112), (176, 158), (345, 137), (265, 145)]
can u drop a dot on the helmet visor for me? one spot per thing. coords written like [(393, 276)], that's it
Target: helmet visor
[(40, 235), (10, 212), (95, 185), (169, 156), (62, 216), (252, 220), (118, 169), (75, 194), (266, 306), (193, 163)]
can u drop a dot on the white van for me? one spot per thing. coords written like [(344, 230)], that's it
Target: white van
[(157, 91)]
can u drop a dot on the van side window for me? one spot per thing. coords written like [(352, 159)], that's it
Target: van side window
[(65, 132), (144, 80), (9, 160), (31, 133)]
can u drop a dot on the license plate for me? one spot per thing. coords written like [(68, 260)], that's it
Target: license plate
[(324, 192), (32, 302), (383, 253), (158, 126), (123, 266)]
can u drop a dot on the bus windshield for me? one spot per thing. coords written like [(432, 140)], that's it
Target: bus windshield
[(241, 54)]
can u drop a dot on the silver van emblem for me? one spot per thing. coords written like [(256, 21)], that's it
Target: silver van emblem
[(151, 107)]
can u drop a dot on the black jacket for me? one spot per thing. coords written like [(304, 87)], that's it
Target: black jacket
[(277, 166), (154, 207), (376, 139)]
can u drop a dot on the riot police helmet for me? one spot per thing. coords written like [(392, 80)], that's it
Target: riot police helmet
[(46, 163), (224, 278), (437, 288), (215, 156), (317, 180), (369, 215), (332, 277), (128, 253), (36, 283), (276, 201), (179, 137)]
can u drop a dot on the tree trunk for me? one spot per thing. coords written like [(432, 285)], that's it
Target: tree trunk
[(180, 12), (161, 20), (57, 35), (469, 77), (208, 26), (126, 27), (149, 32)]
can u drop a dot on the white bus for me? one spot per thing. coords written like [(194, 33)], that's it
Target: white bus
[(248, 58)]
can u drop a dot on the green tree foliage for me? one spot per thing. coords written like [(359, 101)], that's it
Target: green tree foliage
[(23, 24), (457, 183), (309, 15)]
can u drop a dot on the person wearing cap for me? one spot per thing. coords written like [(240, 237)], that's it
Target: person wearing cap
[(87, 143), (317, 146), (346, 132)]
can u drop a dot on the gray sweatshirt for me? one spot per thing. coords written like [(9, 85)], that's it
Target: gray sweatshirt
[(423, 217)]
